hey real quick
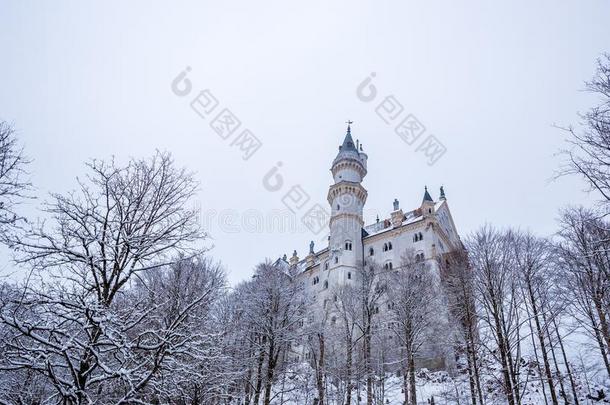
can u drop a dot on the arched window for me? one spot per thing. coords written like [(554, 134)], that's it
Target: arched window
[(349, 275), (336, 260), (348, 245), (371, 252), (389, 245), (338, 207), (385, 247), (325, 283), (421, 237), (326, 266)]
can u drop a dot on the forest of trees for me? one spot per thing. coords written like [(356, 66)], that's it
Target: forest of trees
[(120, 302)]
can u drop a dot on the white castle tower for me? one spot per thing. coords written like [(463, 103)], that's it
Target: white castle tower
[(426, 232), (347, 198)]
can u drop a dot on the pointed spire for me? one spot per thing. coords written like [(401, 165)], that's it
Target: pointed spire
[(427, 196), (348, 142), (443, 194)]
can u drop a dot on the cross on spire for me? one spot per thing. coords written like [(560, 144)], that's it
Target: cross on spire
[(349, 122)]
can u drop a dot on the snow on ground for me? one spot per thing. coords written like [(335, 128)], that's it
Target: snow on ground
[(450, 390)]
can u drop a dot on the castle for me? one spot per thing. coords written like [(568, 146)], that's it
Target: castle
[(428, 231)]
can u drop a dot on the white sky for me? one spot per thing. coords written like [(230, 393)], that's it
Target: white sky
[(487, 78)]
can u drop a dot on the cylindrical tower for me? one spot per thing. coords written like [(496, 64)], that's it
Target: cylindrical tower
[(347, 198)]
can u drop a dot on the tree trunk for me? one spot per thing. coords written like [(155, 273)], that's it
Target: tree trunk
[(508, 386), (259, 374), (320, 370), (367, 361), (412, 386), (469, 357), (540, 333), (405, 378), (548, 334), (600, 341), (603, 322), (270, 371), (567, 364)]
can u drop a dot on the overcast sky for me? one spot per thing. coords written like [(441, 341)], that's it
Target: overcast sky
[(488, 79)]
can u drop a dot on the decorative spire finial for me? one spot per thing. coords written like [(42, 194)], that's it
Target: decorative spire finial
[(443, 193), (349, 123)]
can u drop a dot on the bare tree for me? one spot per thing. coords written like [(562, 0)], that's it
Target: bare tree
[(348, 307), (274, 304), (413, 295), (583, 251), (589, 155), (371, 288), (532, 260), (458, 280), (498, 301), (198, 368), (80, 324), (14, 183)]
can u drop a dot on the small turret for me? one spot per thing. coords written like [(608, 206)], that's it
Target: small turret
[(427, 205)]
